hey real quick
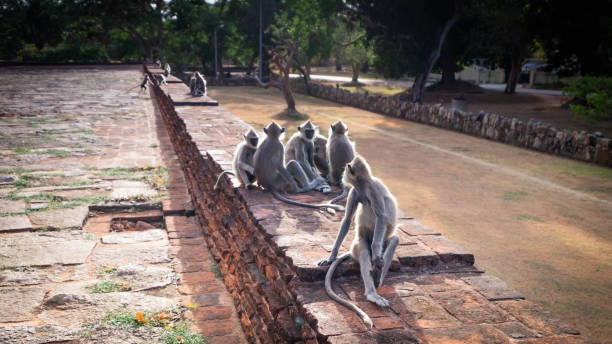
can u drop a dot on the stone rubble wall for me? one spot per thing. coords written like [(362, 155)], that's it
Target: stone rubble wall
[(530, 134), (254, 271)]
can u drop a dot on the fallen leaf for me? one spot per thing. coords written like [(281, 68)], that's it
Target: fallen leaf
[(140, 318)]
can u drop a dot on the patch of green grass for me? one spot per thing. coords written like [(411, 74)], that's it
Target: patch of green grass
[(181, 334), (122, 319), (583, 169), (50, 138), (60, 153), (215, 269), (21, 150), (528, 218), (10, 214), (26, 180), (514, 195), (108, 287), (13, 170), (382, 90), (157, 177), (90, 236), (116, 171)]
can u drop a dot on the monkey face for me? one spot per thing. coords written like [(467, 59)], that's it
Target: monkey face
[(309, 133), (254, 141)]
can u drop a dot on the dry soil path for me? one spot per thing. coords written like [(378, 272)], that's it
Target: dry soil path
[(541, 223)]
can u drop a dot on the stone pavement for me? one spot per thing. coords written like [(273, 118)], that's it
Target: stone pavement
[(268, 251), (94, 225)]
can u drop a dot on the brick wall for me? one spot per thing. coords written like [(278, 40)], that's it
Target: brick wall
[(527, 134), (254, 271)]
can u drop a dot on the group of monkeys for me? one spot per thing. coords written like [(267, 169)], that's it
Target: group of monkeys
[(197, 82), (311, 162)]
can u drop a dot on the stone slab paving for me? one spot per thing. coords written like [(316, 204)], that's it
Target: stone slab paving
[(71, 137), (437, 295)]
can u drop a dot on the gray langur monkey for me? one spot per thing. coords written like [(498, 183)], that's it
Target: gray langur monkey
[(197, 85), (277, 178), (143, 85), (300, 148), (320, 155), (243, 161), (375, 238), (167, 69), (340, 151), (161, 79)]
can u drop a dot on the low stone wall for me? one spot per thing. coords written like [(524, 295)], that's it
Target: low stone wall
[(531, 134)]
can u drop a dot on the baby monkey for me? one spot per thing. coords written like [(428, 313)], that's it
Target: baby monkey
[(375, 238)]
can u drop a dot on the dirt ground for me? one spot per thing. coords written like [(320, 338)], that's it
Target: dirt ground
[(541, 223), (544, 108)]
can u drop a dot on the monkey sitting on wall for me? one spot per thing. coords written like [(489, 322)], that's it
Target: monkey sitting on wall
[(300, 148), (277, 178), (197, 85), (161, 79), (375, 238), (320, 155), (340, 151), (167, 69), (243, 161)]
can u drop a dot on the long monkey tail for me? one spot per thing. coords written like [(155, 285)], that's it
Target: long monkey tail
[(221, 175), (345, 190), (280, 197), (328, 288)]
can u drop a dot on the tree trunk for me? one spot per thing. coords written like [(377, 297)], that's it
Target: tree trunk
[(449, 66), (288, 94), (355, 67), (421, 80), (417, 88), (515, 71), (250, 66)]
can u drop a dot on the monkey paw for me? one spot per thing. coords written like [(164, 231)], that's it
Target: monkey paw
[(378, 261), (377, 299), (325, 262)]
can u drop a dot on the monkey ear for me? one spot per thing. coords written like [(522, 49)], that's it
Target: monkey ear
[(299, 128), (282, 129), (265, 130), (350, 169)]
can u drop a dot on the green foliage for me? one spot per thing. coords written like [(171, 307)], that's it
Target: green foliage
[(592, 97), (122, 319), (108, 287), (181, 334)]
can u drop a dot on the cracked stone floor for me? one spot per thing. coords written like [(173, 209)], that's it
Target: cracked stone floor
[(80, 151)]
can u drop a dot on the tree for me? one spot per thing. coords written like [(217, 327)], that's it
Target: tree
[(298, 34), (407, 36), (578, 37), (283, 57), (351, 46)]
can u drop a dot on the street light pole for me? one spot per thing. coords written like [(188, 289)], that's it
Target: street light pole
[(260, 40), (216, 63)]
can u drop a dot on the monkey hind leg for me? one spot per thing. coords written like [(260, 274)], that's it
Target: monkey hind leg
[(391, 245), (365, 266)]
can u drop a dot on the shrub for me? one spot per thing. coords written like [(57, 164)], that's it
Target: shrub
[(592, 98)]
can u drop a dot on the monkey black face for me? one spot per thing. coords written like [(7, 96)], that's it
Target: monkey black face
[(254, 141), (350, 168), (309, 133)]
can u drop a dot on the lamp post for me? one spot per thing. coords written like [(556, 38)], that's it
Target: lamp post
[(216, 64), (260, 40)]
